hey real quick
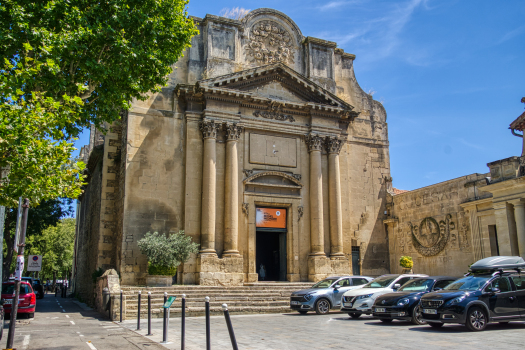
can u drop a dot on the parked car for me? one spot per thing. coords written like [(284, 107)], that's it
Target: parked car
[(494, 291), (26, 299), (38, 288), (326, 294), (404, 304), (360, 301)]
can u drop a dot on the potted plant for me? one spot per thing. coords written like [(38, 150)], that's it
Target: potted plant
[(165, 253), (406, 263)]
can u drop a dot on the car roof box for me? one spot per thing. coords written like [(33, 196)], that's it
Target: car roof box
[(498, 263)]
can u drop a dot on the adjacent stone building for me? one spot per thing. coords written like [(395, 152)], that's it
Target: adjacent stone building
[(448, 226), (263, 148)]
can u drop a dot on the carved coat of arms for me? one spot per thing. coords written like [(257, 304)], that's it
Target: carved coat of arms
[(431, 237), (270, 43)]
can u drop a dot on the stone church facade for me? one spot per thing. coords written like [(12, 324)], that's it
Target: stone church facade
[(262, 147)]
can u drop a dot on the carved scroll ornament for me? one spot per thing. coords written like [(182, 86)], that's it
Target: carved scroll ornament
[(274, 111), (270, 43), (430, 238)]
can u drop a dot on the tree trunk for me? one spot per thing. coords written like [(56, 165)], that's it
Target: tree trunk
[(9, 241), (54, 280)]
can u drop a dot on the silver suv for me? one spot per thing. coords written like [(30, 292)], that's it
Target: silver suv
[(326, 294)]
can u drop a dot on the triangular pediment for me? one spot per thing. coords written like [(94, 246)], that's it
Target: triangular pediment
[(276, 82)]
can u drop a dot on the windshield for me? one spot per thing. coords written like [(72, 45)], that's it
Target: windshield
[(325, 283), (468, 283), (9, 289), (417, 286), (380, 282)]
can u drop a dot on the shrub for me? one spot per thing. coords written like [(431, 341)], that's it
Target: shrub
[(406, 262), (166, 252), (161, 270)]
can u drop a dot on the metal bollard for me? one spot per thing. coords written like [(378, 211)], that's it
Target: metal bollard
[(138, 313), (56, 291), (183, 322), (149, 314), (165, 323), (207, 308), (121, 305), (230, 328)]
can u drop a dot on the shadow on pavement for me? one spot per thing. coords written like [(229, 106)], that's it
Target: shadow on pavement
[(456, 328)]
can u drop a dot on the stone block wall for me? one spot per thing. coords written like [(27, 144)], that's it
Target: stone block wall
[(430, 225)]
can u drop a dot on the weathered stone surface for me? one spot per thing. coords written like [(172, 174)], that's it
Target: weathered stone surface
[(159, 281)]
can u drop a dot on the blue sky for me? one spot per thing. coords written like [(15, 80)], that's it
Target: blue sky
[(450, 74)]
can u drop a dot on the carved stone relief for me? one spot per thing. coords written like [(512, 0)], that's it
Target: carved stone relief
[(270, 43), (314, 142), (300, 212), (431, 237), (209, 129), (274, 111), (245, 208)]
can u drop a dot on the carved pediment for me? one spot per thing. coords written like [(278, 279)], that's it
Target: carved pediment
[(277, 82), (273, 178)]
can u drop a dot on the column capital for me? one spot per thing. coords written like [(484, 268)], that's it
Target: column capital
[(334, 145), (233, 131), (209, 129), (314, 142)]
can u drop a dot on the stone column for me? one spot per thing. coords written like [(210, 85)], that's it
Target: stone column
[(315, 144), (506, 226), (209, 179), (519, 215), (231, 193), (334, 186)]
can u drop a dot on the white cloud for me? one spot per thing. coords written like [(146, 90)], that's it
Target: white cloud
[(512, 34)]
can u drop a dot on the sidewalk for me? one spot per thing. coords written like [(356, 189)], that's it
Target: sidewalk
[(65, 324)]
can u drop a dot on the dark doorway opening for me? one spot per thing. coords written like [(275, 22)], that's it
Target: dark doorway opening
[(271, 254), (356, 270), (493, 237)]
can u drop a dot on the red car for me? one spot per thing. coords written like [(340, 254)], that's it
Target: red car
[(26, 300)]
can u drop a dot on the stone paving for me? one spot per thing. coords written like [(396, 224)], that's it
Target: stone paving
[(332, 331)]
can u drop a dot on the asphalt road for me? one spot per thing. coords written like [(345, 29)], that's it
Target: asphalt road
[(62, 323), (333, 331)]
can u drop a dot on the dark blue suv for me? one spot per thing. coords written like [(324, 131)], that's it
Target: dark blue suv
[(488, 294)]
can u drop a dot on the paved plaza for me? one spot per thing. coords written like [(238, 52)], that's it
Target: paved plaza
[(332, 331)]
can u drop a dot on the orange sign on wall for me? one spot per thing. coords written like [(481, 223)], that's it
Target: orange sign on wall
[(270, 217)]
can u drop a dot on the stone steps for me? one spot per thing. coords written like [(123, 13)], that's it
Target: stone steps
[(267, 297)]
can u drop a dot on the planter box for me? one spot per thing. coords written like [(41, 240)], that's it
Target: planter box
[(159, 281)]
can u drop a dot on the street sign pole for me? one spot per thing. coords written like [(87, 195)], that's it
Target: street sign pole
[(18, 275)]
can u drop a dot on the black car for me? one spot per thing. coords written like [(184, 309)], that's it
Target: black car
[(38, 288), (493, 292), (404, 304)]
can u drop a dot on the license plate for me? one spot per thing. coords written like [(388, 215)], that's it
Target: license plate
[(294, 303), (380, 309), (8, 301), (347, 304), (430, 311)]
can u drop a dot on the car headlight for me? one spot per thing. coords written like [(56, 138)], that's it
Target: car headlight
[(364, 296), (457, 300), (403, 301), (307, 297)]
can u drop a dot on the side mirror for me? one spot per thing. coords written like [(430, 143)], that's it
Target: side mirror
[(337, 286), (397, 286), (495, 290), (438, 288)]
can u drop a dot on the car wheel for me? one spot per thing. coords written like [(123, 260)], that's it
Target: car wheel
[(354, 315), (435, 324), (416, 316), (504, 322), (476, 319), (303, 312), (386, 320), (31, 315), (322, 306)]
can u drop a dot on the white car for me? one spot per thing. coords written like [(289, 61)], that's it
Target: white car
[(360, 301)]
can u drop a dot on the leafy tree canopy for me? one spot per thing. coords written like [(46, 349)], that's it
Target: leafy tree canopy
[(104, 52), (69, 63), (56, 245)]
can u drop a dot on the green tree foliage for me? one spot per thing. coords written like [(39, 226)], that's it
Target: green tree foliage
[(69, 63), (39, 218), (167, 250), (104, 52), (56, 245)]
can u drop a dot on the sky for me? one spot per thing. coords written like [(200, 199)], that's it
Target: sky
[(450, 73)]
